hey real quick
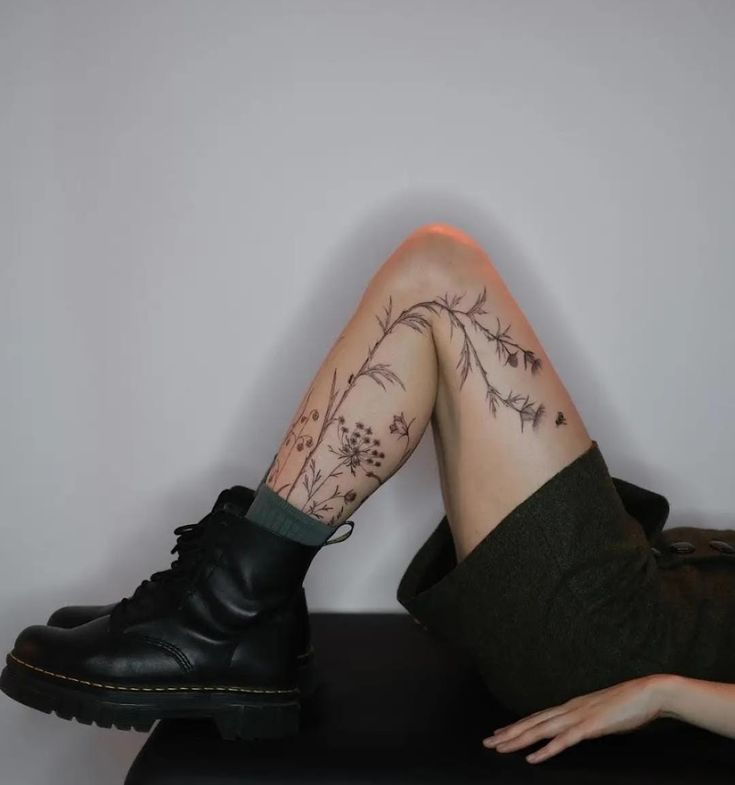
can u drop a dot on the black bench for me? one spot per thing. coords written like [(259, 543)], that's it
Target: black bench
[(395, 705)]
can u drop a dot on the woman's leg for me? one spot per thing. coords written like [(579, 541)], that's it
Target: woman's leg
[(436, 337)]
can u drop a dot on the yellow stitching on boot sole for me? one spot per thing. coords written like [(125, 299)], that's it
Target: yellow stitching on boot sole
[(153, 689)]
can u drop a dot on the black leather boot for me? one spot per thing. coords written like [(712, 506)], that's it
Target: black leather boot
[(76, 615), (217, 636)]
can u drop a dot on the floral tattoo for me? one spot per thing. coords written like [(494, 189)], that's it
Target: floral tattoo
[(356, 447)]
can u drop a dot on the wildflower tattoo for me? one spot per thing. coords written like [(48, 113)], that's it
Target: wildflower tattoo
[(358, 450), (356, 447), (400, 427), (295, 437), (506, 349)]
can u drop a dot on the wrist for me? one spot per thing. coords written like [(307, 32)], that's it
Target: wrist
[(665, 689)]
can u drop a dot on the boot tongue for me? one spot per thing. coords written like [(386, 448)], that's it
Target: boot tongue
[(238, 495)]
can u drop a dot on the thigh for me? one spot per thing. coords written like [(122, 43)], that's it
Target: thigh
[(503, 421)]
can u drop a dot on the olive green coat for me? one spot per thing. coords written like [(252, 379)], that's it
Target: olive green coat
[(580, 587)]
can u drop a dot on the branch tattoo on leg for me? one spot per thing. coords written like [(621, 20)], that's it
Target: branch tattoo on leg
[(358, 448)]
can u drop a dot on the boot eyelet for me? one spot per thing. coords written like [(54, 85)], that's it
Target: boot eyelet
[(722, 547), (681, 547)]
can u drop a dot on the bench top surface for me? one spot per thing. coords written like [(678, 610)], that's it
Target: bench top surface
[(395, 704)]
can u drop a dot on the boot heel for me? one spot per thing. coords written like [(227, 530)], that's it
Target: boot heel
[(273, 721), (308, 677)]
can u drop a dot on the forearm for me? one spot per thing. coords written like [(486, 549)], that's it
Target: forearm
[(708, 704)]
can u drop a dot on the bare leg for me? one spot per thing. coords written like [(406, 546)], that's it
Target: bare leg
[(436, 337)]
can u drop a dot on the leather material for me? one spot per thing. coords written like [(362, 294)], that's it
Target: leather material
[(234, 621), (74, 615)]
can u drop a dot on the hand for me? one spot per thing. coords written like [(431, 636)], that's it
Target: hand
[(617, 709)]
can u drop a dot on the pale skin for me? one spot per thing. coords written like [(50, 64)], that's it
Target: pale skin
[(620, 709), (415, 377), (437, 338)]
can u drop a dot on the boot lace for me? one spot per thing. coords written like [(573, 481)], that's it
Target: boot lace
[(163, 585)]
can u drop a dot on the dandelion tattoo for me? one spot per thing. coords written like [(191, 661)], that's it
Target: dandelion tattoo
[(358, 450), (356, 447)]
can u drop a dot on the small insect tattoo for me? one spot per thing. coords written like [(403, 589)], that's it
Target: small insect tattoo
[(560, 419)]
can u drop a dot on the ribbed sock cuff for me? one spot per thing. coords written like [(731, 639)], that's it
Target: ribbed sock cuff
[(273, 512)]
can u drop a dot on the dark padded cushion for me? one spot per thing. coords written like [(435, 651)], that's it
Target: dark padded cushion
[(396, 706)]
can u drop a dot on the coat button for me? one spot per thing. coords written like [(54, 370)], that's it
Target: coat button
[(722, 546), (681, 547)]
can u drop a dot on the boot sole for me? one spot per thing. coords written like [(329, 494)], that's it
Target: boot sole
[(238, 712)]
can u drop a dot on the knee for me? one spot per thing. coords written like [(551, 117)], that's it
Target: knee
[(439, 255), (442, 235)]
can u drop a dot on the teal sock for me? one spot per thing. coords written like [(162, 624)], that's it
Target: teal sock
[(273, 512)]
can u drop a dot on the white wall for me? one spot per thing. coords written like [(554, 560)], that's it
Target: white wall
[(193, 195)]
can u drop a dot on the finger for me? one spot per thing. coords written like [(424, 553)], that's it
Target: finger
[(544, 730), (514, 730), (578, 704), (522, 724), (558, 744)]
